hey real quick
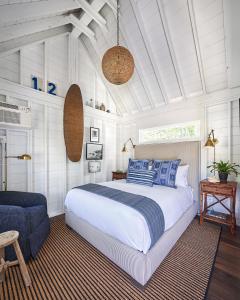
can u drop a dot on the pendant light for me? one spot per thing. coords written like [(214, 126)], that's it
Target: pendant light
[(118, 62)]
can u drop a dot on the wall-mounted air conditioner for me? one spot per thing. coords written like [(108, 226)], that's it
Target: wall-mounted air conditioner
[(14, 115)]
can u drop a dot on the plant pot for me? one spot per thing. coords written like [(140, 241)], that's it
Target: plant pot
[(223, 177)]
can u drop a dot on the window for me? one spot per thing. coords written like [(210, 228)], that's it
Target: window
[(171, 133)]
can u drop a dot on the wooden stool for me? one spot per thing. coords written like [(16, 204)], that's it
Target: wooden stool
[(11, 238)]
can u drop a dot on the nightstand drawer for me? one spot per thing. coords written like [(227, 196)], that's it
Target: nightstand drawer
[(224, 190), (209, 189)]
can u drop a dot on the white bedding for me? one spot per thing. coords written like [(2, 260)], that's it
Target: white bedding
[(125, 223)]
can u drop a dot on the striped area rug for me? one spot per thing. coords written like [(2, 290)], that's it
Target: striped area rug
[(68, 267)]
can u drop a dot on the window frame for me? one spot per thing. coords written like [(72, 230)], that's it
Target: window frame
[(164, 141)]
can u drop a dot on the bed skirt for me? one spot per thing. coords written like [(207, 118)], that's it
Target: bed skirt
[(138, 265)]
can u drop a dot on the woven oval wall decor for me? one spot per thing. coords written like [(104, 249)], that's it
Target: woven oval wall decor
[(73, 123)]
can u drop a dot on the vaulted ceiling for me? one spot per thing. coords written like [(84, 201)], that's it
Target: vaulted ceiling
[(178, 46)]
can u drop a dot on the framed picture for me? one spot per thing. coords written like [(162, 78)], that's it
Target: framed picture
[(94, 134), (94, 151), (94, 166)]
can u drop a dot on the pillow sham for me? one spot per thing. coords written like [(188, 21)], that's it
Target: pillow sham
[(182, 176), (138, 164), (165, 172), (144, 177)]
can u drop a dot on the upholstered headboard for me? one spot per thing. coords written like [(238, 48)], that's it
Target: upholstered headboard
[(188, 152)]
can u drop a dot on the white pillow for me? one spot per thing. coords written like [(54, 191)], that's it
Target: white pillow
[(182, 176)]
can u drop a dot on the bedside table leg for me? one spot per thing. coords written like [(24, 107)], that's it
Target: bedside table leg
[(232, 229), (233, 222), (201, 209)]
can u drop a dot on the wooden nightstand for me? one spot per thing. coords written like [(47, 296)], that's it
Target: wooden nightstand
[(224, 190), (119, 175)]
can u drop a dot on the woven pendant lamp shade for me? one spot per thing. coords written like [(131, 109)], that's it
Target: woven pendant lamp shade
[(118, 65), (118, 62)]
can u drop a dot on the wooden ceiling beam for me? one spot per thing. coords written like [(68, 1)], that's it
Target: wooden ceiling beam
[(23, 29), (96, 5), (24, 12), (170, 46), (192, 18), (11, 46), (148, 48), (88, 8), (138, 69), (81, 28), (113, 5)]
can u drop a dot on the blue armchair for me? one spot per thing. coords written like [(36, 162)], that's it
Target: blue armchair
[(26, 213)]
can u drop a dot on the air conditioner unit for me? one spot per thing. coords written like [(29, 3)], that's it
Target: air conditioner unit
[(14, 115)]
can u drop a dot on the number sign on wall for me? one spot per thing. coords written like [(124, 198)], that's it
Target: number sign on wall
[(37, 85), (51, 88)]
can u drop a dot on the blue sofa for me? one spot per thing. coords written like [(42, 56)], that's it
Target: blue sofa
[(26, 213)]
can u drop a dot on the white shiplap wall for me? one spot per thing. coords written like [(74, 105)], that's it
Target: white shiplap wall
[(57, 63), (10, 67), (32, 63), (224, 118), (235, 125), (50, 172)]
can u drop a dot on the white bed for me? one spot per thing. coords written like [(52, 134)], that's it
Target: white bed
[(120, 232), (123, 222)]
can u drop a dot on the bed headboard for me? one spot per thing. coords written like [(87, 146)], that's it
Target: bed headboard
[(188, 152)]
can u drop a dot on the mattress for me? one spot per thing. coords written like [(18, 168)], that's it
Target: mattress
[(125, 223)]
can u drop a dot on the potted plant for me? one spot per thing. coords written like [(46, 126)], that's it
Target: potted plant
[(224, 169)]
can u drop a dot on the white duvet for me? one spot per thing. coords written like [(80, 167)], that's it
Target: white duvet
[(125, 223)]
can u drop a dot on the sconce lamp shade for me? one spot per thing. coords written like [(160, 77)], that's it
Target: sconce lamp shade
[(124, 149), (209, 143), (25, 157)]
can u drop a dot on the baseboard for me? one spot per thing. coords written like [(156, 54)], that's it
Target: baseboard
[(56, 213)]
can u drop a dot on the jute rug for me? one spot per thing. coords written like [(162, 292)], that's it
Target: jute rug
[(68, 267)]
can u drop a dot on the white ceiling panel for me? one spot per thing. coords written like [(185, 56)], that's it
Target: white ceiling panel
[(180, 47), (210, 26)]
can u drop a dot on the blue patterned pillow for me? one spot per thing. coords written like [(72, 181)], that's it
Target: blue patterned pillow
[(137, 164), (144, 177), (165, 172)]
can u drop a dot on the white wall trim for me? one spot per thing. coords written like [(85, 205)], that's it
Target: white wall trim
[(16, 90)]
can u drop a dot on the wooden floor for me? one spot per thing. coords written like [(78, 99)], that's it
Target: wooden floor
[(225, 281)]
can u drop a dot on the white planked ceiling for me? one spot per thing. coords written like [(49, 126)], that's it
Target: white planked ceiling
[(178, 45)]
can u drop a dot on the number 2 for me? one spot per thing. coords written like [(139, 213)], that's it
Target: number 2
[(51, 88)]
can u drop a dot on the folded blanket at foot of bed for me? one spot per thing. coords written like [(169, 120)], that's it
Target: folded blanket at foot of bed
[(147, 207)]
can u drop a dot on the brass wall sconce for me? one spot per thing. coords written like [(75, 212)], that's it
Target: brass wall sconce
[(21, 157), (211, 143), (124, 149)]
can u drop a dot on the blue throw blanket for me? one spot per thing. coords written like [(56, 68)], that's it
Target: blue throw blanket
[(149, 209)]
